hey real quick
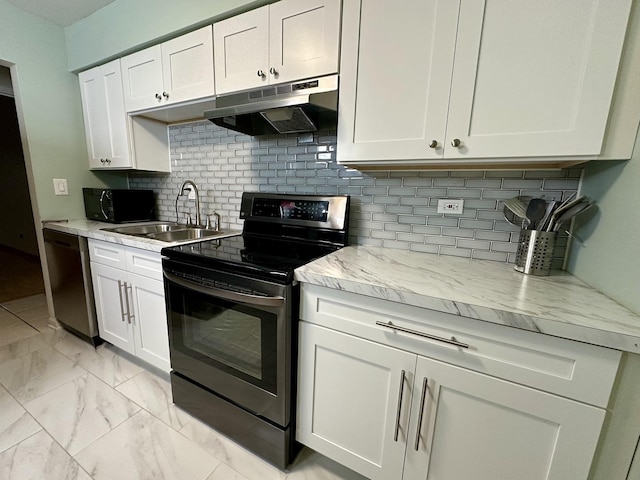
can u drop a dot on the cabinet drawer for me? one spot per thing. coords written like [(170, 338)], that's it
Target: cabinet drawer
[(565, 367), (143, 262), (110, 254)]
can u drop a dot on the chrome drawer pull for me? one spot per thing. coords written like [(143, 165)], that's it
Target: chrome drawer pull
[(425, 383), (451, 341), (400, 393)]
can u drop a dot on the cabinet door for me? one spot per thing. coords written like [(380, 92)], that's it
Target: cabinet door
[(480, 427), (105, 120), (241, 51), (187, 66), (304, 39), (351, 397), (149, 317), (109, 295), (142, 79), (534, 78), (394, 81)]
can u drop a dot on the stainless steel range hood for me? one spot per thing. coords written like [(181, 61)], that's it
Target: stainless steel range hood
[(304, 106)]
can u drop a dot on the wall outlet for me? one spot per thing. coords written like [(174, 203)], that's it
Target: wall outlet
[(452, 206), (192, 194), (60, 186)]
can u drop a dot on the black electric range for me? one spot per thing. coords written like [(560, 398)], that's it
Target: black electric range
[(232, 308)]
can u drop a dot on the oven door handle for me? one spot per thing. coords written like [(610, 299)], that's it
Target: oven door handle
[(227, 294)]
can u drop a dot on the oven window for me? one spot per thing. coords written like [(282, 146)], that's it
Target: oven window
[(235, 338)]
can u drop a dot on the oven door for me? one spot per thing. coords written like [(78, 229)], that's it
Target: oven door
[(232, 335)]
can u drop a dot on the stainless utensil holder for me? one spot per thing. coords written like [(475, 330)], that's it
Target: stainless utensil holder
[(535, 252)]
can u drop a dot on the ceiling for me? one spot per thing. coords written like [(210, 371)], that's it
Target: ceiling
[(61, 12)]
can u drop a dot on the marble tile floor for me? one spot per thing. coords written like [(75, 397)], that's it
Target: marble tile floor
[(72, 412)]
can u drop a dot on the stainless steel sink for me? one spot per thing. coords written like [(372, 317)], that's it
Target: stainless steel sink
[(170, 232), (144, 230), (190, 233)]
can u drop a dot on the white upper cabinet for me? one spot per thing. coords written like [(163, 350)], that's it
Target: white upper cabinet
[(116, 140), (285, 41), (105, 119), (304, 39), (472, 79), (175, 71), (241, 55)]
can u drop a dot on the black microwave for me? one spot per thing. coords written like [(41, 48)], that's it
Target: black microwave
[(119, 205)]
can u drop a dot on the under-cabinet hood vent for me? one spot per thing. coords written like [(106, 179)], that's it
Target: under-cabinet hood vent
[(305, 106)]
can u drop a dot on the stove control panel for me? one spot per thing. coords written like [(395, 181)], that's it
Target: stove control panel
[(316, 211), (312, 211)]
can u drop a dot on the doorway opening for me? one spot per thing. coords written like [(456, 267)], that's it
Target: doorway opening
[(21, 273)]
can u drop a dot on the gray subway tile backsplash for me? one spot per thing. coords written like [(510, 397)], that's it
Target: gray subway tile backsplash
[(391, 209)]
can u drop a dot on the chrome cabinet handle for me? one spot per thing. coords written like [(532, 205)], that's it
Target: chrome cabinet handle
[(400, 393), (456, 142), (261, 74), (433, 144), (126, 299), (120, 295), (425, 383), (451, 341), (273, 71), (158, 97), (165, 94), (129, 314)]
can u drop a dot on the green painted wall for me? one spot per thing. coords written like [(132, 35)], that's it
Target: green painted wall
[(609, 260), (50, 115), (127, 25)]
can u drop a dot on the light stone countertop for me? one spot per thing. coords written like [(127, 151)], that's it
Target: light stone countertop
[(559, 305), (93, 229)]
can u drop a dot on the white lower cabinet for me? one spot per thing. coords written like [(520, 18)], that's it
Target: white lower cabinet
[(130, 307), (395, 411), (475, 426), (349, 397)]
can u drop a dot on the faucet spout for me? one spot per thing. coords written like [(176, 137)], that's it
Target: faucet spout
[(190, 183)]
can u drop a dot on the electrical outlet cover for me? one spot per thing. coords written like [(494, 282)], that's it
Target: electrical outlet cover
[(451, 206)]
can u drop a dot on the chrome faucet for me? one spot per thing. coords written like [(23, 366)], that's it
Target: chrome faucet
[(217, 224), (195, 189)]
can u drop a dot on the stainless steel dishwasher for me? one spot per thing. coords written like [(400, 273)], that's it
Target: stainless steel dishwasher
[(71, 286)]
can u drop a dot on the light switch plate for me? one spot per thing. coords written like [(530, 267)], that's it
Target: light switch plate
[(60, 186), (452, 206)]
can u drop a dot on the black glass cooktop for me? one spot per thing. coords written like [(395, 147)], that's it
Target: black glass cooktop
[(259, 257)]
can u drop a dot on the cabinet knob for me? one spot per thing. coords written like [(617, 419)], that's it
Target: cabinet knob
[(102, 161), (456, 142), (165, 94), (273, 71), (158, 96), (261, 74), (108, 160), (433, 144)]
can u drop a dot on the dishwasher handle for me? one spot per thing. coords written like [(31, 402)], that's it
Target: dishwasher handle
[(62, 240)]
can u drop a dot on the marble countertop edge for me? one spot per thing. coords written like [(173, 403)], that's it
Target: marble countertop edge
[(597, 320)]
